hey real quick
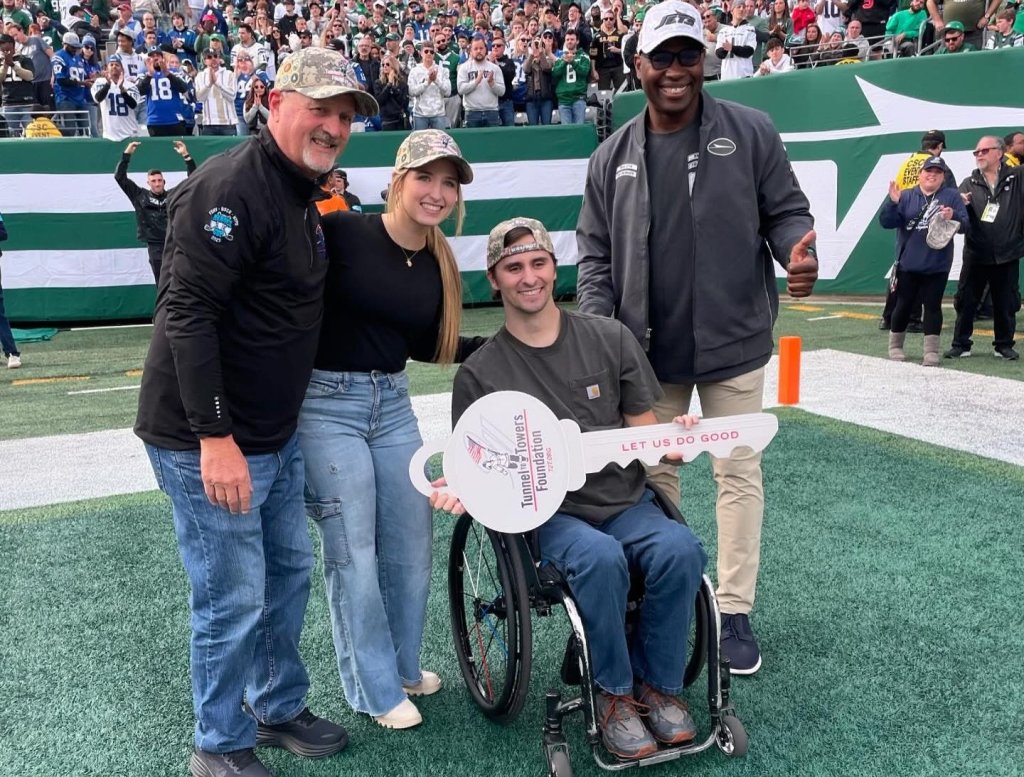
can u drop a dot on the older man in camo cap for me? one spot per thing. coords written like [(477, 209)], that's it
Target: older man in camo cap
[(591, 370), (242, 277)]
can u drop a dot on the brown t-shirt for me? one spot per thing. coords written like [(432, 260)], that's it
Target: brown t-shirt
[(591, 351)]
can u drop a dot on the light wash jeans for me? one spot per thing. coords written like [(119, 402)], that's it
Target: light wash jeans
[(429, 122), (358, 433), (573, 113), (596, 562), (249, 577)]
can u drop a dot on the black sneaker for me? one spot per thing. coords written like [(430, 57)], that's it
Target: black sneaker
[(956, 352), (305, 735), (623, 733), (883, 324), (915, 327), (238, 763), (739, 645), (1006, 353)]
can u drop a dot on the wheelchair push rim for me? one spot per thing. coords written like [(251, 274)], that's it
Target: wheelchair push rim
[(490, 619)]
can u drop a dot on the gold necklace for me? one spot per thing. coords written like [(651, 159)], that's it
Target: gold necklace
[(408, 256)]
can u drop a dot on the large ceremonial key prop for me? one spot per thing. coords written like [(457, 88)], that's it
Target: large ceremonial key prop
[(511, 462)]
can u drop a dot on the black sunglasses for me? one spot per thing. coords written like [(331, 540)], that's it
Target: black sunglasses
[(662, 60)]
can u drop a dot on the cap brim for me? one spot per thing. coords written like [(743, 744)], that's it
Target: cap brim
[(365, 104), (663, 37), (465, 171)]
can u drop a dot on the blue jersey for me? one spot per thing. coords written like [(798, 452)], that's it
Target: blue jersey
[(188, 100), (187, 38), (243, 83), (70, 66), (163, 103)]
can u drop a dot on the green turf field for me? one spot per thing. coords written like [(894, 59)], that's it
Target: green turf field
[(45, 396), (888, 615)]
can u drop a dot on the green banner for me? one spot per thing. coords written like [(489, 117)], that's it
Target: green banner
[(848, 128), (73, 255)]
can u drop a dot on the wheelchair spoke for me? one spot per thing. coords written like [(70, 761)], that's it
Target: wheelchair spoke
[(483, 661)]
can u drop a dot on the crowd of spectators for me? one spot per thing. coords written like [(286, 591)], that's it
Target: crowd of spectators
[(180, 67)]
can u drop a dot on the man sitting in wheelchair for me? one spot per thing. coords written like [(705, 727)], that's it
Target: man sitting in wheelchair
[(591, 369)]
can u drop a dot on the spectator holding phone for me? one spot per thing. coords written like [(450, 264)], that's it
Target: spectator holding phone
[(539, 84)]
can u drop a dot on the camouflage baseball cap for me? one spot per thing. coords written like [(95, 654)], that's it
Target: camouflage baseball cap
[(319, 73), (496, 250), (424, 146)]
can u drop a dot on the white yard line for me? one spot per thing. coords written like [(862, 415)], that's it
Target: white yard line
[(973, 413)]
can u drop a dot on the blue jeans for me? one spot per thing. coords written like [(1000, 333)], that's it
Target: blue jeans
[(430, 122), (74, 118), (6, 336), (574, 113), (483, 119), (507, 112), (16, 116), (358, 434), (596, 562), (539, 111), (249, 577), (94, 121)]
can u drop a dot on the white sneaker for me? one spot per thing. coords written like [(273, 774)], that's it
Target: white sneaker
[(405, 715), (13, 362), (429, 683)]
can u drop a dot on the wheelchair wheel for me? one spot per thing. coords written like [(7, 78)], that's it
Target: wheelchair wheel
[(697, 648), (490, 617)]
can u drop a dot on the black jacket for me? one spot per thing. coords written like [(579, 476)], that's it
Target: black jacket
[(1002, 240), (393, 100), (508, 72), (239, 305), (150, 209)]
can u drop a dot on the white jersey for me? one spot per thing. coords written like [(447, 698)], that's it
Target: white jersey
[(119, 120), (829, 17), (134, 64), (259, 52), (740, 35)]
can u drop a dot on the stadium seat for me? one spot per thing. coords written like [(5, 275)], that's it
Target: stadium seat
[(521, 119), (591, 114)]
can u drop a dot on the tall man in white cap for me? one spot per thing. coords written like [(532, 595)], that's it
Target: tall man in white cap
[(243, 282), (709, 184)]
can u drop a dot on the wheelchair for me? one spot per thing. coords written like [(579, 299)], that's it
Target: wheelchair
[(494, 584)]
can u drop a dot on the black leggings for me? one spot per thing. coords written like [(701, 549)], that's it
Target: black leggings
[(914, 287)]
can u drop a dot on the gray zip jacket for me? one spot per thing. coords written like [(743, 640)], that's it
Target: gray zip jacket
[(747, 207)]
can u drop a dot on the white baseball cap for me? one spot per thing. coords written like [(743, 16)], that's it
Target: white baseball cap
[(667, 20)]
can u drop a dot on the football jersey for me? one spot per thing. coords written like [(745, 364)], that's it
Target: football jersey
[(134, 64), (243, 82), (119, 120), (163, 103), (71, 66)]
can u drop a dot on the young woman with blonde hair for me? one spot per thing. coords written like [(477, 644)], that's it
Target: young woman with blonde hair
[(393, 293)]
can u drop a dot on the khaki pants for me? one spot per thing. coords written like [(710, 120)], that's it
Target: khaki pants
[(740, 506)]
